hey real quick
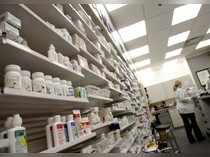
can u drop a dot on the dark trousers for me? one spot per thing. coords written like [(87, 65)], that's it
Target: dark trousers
[(190, 125)]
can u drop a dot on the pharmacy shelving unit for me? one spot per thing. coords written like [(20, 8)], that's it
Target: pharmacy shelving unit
[(35, 108)]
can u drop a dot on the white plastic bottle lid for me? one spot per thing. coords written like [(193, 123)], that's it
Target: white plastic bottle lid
[(70, 117), (51, 47), (63, 82), (38, 75), (56, 79), (69, 83), (50, 120), (12, 67), (17, 120), (57, 118), (26, 73), (63, 119), (48, 77), (9, 123)]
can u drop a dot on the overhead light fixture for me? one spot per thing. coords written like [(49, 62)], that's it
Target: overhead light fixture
[(203, 43), (142, 63), (136, 52), (133, 31), (112, 7), (173, 53), (185, 12), (208, 31), (178, 38)]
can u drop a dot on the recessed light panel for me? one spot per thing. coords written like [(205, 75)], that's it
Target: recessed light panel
[(173, 53), (133, 31), (112, 7), (185, 12), (178, 38), (203, 44), (142, 63), (136, 52)]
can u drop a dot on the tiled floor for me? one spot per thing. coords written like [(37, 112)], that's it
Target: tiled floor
[(187, 148)]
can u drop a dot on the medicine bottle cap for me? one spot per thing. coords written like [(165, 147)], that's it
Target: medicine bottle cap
[(38, 75), (57, 118), (56, 79), (51, 47), (50, 120), (12, 67), (70, 117), (63, 81), (63, 118), (48, 77), (17, 120), (9, 123), (26, 73)]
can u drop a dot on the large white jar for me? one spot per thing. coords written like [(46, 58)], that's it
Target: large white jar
[(13, 76), (64, 87), (26, 80), (57, 87), (49, 85), (39, 84)]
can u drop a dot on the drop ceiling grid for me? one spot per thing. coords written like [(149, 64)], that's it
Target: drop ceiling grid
[(158, 24)]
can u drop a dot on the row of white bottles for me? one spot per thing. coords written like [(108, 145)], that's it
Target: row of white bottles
[(16, 134), (59, 131)]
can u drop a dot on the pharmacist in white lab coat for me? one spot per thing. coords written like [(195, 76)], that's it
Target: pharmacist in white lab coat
[(186, 109)]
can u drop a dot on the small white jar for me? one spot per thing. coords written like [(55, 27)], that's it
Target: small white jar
[(57, 87), (70, 91), (67, 62), (13, 76), (64, 87), (52, 55), (38, 83), (60, 58), (49, 85), (26, 80)]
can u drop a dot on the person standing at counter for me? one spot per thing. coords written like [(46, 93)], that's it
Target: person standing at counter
[(186, 109)]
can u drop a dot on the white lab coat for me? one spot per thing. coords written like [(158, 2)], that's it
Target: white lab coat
[(184, 101)]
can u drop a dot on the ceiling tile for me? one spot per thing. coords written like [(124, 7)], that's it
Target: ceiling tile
[(136, 43), (127, 15), (152, 9), (159, 23)]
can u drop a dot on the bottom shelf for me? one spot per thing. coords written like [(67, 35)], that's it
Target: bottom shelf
[(69, 144)]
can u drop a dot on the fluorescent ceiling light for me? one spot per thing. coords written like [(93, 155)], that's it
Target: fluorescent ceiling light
[(178, 38), (173, 53), (142, 63), (185, 12), (203, 44), (112, 7), (136, 52), (208, 31), (133, 31)]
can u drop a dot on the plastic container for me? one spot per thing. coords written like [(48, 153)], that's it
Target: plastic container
[(49, 133), (64, 87), (52, 55), (63, 119), (17, 136), (67, 63), (58, 131), (26, 80), (38, 82), (13, 76), (57, 87), (70, 91), (49, 85), (72, 129), (60, 58)]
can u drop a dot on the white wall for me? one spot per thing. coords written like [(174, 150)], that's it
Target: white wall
[(159, 73), (198, 63)]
